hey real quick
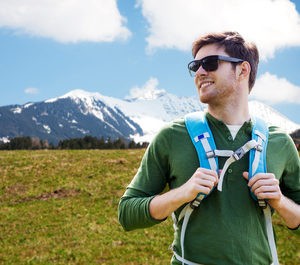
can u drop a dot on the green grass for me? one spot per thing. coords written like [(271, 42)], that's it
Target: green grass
[(60, 207)]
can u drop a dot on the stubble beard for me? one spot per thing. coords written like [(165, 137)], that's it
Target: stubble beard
[(217, 97)]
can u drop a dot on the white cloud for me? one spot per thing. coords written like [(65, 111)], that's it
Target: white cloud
[(147, 91), (271, 24), (273, 90), (65, 20), (31, 90)]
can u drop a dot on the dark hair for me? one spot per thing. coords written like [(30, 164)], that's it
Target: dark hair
[(235, 46)]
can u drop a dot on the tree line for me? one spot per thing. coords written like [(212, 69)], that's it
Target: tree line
[(88, 142), (296, 138)]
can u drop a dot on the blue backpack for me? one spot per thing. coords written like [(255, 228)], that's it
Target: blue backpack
[(208, 154), (204, 143)]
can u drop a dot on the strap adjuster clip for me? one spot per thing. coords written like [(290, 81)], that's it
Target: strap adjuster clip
[(239, 153), (262, 203), (210, 154), (172, 247), (259, 148)]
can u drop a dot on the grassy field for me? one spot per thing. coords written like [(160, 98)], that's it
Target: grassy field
[(60, 207)]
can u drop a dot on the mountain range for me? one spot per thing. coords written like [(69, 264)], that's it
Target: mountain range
[(80, 113)]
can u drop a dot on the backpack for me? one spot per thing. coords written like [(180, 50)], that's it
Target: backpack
[(204, 144)]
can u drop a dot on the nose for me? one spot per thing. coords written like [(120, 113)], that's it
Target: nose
[(201, 71)]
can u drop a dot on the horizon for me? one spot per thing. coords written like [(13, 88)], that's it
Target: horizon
[(127, 49)]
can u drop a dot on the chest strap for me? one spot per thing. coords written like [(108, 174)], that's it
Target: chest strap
[(237, 155)]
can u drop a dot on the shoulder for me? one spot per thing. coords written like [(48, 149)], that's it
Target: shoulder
[(172, 128), (281, 143), (279, 136), (170, 137), (176, 124)]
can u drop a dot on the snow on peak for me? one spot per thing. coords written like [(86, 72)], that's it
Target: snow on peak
[(17, 110), (77, 94), (28, 105), (146, 95), (147, 92), (271, 116), (82, 94)]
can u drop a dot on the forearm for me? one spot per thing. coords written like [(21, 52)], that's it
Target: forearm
[(133, 213), (161, 206), (288, 210), (203, 180)]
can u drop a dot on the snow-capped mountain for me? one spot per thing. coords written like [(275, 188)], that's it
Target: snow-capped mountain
[(80, 113), (153, 113), (66, 117), (272, 117), (150, 114)]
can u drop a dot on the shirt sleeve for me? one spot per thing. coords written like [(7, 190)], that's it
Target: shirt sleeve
[(150, 180), (290, 185)]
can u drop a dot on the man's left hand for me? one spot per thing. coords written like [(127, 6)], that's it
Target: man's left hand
[(265, 186)]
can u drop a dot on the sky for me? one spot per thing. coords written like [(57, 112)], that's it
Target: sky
[(129, 48)]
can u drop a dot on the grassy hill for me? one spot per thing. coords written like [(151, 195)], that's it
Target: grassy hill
[(60, 207)]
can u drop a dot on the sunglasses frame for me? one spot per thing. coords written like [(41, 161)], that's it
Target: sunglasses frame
[(217, 58)]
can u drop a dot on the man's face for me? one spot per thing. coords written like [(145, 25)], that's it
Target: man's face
[(215, 87)]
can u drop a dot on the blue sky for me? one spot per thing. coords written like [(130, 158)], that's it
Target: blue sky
[(120, 48)]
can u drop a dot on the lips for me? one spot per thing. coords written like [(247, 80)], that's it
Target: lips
[(205, 84)]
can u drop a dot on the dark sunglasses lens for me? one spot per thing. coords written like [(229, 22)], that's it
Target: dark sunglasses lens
[(194, 66), (210, 64)]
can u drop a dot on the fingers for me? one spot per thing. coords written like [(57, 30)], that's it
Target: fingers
[(262, 178), (205, 179), (207, 171), (207, 174), (264, 185), (246, 175), (202, 181)]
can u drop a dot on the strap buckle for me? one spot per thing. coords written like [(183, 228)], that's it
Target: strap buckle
[(262, 203), (172, 247), (195, 203), (210, 154), (239, 153), (259, 148)]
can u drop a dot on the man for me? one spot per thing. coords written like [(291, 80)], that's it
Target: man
[(228, 227)]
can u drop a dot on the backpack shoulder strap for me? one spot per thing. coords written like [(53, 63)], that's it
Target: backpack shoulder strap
[(258, 164), (257, 157), (202, 139), (204, 144)]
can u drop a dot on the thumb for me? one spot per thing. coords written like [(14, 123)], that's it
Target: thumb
[(246, 175)]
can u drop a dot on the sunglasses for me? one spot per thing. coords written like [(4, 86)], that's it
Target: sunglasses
[(210, 63)]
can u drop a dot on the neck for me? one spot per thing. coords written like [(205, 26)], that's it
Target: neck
[(235, 113)]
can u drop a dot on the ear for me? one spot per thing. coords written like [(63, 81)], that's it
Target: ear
[(243, 71)]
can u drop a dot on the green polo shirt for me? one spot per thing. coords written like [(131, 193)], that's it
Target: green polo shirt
[(228, 227)]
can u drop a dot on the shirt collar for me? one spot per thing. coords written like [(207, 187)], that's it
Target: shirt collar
[(247, 126)]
